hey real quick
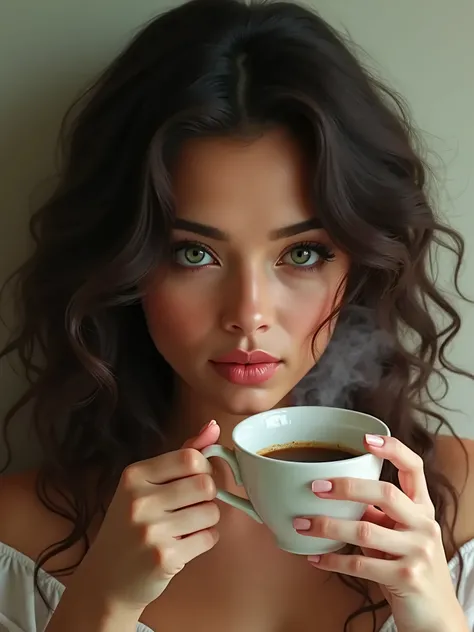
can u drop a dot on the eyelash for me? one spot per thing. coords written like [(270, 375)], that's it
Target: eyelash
[(323, 251), (188, 243), (326, 255)]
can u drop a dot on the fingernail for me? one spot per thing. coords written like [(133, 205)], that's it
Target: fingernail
[(375, 440), (302, 524), (321, 486), (208, 425), (314, 559)]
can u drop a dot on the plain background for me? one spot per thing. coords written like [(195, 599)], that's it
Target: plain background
[(51, 50)]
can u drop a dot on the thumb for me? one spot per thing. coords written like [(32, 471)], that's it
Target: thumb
[(208, 435)]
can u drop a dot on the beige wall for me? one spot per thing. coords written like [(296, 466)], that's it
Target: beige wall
[(50, 49)]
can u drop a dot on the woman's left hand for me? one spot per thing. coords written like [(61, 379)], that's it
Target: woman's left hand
[(401, 542)]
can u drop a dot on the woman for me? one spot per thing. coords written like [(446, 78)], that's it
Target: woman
[(235, 180)]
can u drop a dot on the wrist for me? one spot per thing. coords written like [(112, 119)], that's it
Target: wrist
[(112, 616), (110, 613), (85, 609), (454, 622)]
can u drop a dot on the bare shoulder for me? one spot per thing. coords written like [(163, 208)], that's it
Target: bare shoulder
[(456, 461), (20, 510), (27, 525)]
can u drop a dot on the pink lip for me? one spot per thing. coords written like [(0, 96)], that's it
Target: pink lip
[(246, 374), (246, 368), (246, 357)]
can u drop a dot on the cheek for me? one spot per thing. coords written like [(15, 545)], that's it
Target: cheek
[(310, 306), (177, 314)]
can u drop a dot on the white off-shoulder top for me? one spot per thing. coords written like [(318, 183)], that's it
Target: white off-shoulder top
[(22, 609)]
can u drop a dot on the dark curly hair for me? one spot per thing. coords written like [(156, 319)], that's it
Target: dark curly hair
[(99, 388)]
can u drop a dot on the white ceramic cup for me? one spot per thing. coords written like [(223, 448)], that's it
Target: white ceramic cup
[(279, 491)]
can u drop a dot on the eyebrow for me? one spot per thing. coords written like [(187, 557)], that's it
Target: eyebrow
[(296, 229), (215, 233)]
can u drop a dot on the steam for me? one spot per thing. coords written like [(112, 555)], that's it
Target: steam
[(354, 359)]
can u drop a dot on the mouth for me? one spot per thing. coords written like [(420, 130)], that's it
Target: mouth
[(247, 368), (238, 356)]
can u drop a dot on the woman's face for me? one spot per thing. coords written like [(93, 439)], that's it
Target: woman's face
[(251, 270)]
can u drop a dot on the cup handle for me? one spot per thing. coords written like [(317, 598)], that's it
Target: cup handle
[(226, 497)]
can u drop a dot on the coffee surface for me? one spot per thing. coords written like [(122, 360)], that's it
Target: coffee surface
[(309, 452)]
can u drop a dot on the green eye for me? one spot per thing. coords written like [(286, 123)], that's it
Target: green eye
[(193, 255), (303, 256), (307, 256)]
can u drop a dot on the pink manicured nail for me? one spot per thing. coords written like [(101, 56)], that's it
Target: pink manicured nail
[(321, 486), (374, 440), (301, 524), (208, 425), (314, 559)]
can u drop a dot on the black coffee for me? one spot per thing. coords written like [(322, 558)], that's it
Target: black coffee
[(309, 452)]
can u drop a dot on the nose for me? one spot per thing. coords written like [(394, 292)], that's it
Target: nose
[(248, 303)]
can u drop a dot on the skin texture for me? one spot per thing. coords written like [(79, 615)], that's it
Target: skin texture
[(245, 291), (251, 294), (400, 540)]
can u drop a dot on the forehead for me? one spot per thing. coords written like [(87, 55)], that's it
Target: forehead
[(233, 183)]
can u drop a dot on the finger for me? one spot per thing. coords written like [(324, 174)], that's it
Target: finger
[(196, 544), (360, 533), (372, 514), (186, 492), (193, 519), (374, 569), (165, 468), (208, 436), (409, 465), (389, 498)]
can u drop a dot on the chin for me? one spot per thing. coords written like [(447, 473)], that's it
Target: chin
[(249, 401)]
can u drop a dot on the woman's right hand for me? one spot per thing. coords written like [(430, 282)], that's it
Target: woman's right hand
[(161, 517)]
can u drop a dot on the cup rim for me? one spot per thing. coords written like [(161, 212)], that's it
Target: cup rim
[(303, 463)]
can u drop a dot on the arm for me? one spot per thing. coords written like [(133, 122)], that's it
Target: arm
[(452, 462), (80, 611)]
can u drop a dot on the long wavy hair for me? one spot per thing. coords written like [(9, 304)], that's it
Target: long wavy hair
[(99, 389)]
